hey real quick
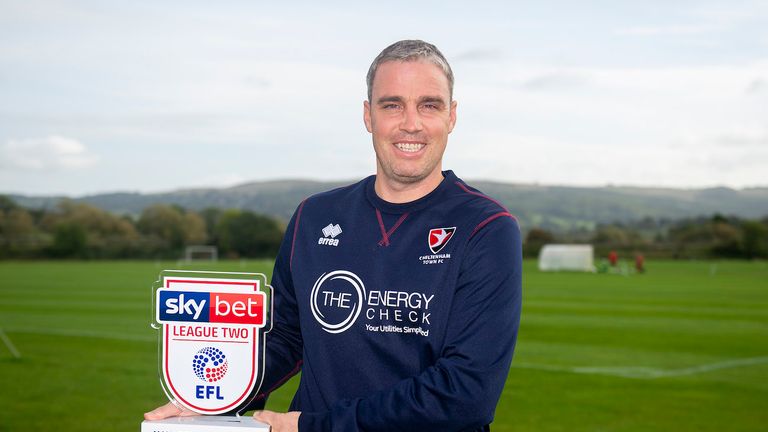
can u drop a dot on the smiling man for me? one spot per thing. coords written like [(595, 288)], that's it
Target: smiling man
[(398, 297), (409, 113)]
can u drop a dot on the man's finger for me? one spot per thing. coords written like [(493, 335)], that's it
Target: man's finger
[(264, 416), (165, 411)]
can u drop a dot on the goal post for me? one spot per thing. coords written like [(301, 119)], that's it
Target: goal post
[(201, 253), (568, 257)]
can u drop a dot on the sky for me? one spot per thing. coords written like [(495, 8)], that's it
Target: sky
[(151, 96)]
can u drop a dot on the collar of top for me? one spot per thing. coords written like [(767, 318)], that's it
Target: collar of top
[(399, 208)]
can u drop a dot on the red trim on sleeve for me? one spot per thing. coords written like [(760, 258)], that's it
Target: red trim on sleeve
[(488, 220), (282, 380), (467, 190), (479, 226), (295, 230)]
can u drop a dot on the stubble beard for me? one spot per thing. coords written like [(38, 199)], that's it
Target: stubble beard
[(393, 173), (406, 175)]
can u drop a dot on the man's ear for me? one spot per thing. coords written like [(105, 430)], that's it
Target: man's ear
[(452, 114), (367, 116)]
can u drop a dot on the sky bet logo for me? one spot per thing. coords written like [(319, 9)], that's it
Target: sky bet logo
[(211, 307)]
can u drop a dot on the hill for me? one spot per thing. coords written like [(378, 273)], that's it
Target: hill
[(553, 207)]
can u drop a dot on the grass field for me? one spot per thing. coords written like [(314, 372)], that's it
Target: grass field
[(682, 347)]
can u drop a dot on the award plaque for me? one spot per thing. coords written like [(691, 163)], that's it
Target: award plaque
[(211, 334)]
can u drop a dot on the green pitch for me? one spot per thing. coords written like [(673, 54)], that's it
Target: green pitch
[(682, 347)]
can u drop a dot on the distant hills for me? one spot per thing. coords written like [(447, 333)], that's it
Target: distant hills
[(552, 207)]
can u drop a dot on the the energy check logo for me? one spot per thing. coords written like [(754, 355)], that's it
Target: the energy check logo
[(337, 299), (329, 235)]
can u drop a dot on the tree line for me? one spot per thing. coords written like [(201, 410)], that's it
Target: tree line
[(715, 236), (82, 231)]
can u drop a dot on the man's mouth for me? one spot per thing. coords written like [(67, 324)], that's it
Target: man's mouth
[(410, 147)]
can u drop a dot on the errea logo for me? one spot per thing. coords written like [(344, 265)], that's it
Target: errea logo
[(329, 235)]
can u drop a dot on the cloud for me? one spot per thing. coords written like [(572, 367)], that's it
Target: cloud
[(53, 152), (668, 30), (757, 85), (478, 55), (555, 81), (756, 139)]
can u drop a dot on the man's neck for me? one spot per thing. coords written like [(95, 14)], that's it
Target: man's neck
[(397, 192)]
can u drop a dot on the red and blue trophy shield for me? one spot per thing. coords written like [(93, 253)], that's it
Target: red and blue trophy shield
[(212, 328)]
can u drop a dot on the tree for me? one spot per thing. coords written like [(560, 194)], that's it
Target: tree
[(535, 240), (171, 227), (7, 204), (244, 233), (70, 240), (754, 239), (211, 216), (18, 233), (611, 235), (84, 231)]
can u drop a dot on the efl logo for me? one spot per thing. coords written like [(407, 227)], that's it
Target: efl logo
[(211, 307), (210, 364)]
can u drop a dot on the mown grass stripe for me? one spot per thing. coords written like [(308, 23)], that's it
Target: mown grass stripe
[(644, 372)]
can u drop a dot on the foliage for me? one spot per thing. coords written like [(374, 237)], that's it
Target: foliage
[(535, 240), (705, 237), (79, 230), (244, 233), (170, 228), (75, 229)]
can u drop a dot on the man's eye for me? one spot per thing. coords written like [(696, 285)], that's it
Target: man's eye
[(390, 106), (430, 106)]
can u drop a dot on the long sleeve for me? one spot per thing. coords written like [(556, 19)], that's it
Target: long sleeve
[(283, 357), (461, 389)]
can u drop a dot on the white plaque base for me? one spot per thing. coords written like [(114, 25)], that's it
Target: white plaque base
[(205, 424)]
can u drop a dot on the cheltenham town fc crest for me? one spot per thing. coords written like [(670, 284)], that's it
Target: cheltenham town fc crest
[(439, 237), (213, 327)]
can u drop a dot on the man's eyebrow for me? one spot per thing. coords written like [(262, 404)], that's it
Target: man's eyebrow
[(423, 99), (385, 99), (432, 99)]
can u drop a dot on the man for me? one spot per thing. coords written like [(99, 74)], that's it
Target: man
[(397, 297)]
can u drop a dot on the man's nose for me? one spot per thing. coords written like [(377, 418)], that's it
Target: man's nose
[(411, 121)]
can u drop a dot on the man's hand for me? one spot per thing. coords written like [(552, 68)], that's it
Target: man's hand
[(280, 422), (168, 410)]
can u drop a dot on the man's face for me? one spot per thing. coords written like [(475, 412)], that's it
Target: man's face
[(409, 116)]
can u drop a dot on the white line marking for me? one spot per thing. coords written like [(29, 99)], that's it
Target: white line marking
[(642, 372), (9, 344), (83, 333)]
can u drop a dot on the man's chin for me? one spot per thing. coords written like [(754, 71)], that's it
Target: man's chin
[(408, 177)]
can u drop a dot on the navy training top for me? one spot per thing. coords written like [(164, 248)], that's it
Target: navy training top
[(399, 316)]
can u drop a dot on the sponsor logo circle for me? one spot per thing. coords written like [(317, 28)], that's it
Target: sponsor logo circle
[(210, 364), (341, 304)]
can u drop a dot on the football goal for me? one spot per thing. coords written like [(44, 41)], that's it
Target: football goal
[(571, 257), (201, 253)]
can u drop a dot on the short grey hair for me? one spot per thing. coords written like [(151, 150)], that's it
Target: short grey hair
[(410, 50)]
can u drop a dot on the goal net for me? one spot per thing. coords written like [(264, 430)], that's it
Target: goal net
[(201, 253), (555, 257)]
